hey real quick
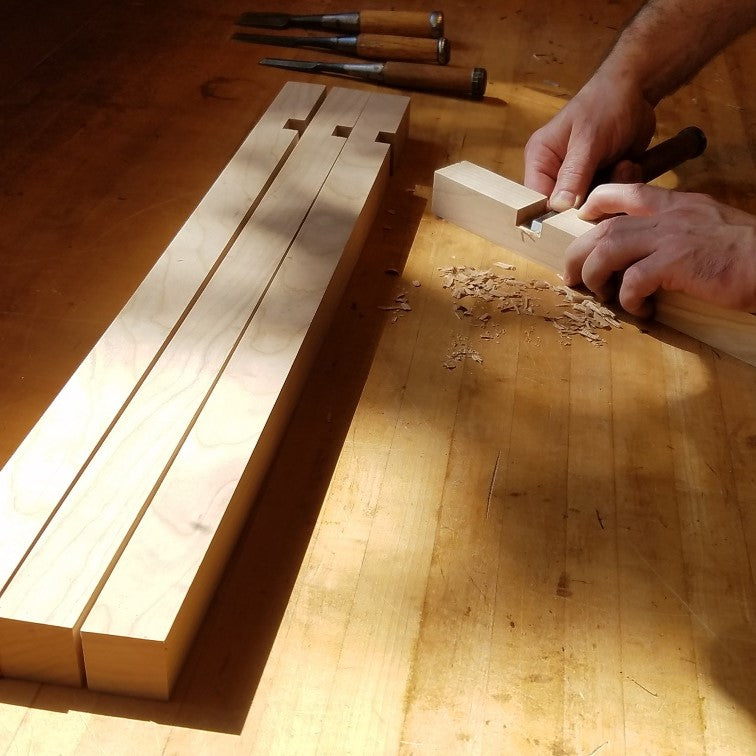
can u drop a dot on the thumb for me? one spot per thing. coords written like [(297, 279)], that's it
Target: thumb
[(574, 178), (631, 199)]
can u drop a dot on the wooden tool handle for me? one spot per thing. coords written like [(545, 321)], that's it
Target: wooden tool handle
[(388, 47), (403, 23), (685, 145), (467, 82)]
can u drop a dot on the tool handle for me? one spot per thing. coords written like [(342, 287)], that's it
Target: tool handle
[(402, 23), (467, 82), (685, 145), (389, 47)]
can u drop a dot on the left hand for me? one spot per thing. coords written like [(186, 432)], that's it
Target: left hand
[(665, 239)]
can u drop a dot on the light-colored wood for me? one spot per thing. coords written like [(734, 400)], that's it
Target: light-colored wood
[(499, 210), (60, 577), (137, 632), (376, 602), (80, 416)]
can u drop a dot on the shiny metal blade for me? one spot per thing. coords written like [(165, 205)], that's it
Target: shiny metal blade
[(536, 225), (265, 20)]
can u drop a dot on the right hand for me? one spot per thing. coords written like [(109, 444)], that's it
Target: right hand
[(662, 239), (605, 121)]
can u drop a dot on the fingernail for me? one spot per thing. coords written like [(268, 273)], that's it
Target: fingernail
[(563, 200)]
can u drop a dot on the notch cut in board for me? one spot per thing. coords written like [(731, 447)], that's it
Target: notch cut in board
[(79, 417), (136, 547), (498, 209)]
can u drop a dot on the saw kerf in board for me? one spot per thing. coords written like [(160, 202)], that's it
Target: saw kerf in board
[(270, 338)]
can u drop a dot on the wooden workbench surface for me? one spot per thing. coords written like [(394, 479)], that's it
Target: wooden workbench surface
[(547, 551)]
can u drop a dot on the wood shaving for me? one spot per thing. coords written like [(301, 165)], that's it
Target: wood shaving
[(400, 305), (578, 314), (490, 336), (459, 352)]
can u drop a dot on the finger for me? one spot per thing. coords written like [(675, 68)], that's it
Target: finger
[(540, 176), (632, 199), (541, 166), (622, 242), (639, 282), (575, 175), (611, 247)]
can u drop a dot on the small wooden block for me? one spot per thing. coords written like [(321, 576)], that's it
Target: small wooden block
[(497, 209)]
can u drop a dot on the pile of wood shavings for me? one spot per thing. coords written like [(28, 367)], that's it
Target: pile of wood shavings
[(583, 318), (580, 315)]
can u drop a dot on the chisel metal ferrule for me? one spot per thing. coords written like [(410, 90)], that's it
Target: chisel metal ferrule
[(341, 22)]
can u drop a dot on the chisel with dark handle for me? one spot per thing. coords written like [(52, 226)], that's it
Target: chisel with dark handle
[(454, 80), (687, 144), (401, 23), (371, 46)]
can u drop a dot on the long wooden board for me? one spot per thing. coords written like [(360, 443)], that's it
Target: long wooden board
[(44, 605), (497, 209), (138, 630), (44, 467)]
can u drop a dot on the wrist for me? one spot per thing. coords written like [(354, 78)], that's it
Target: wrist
[(630, 75)]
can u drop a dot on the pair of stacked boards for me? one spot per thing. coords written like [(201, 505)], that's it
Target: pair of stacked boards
[(119, 509)]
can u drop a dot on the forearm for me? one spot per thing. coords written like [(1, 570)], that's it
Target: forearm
[(668, 41)]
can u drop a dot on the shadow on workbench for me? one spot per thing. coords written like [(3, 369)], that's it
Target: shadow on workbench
[(224, 667)]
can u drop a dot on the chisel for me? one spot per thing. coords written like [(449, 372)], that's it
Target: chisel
[(402, 23), (467, 82), (687, 144), (371, 46)]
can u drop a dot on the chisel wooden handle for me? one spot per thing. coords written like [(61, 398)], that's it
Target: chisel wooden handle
[(402, 23), (685, 145), (390, 47), (466, 82), (372, 46)]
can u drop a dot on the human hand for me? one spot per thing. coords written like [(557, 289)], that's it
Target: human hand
[(670, 240), (606, 120)]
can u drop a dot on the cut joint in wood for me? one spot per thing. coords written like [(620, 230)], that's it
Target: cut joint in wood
[(501, 210), (113, 554)]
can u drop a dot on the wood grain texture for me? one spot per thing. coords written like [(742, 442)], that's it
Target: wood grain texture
[(137, 632), (61, 575), (80, 416), (486, 204), (395, 589)]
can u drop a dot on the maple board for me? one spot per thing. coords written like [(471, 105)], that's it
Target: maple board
[(552, 550), (81, 414), (498, 209), (163, 482)]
